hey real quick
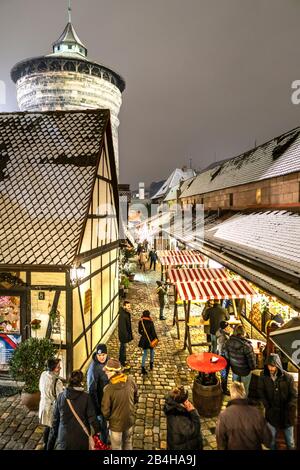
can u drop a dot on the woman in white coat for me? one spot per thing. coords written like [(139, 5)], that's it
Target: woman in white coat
[(50, 386)]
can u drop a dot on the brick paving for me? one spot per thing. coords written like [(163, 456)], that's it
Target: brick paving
[(19, 428)]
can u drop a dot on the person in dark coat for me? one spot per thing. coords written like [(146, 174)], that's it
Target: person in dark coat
[(96, 381), (125, 331), (66, 432), (215, 315), (240, 355), (161, 291), (278, 394), (153, 259), (147, 323), (241, 426), (183, 422)]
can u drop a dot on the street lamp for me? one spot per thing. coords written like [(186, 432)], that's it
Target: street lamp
[(77, 274)]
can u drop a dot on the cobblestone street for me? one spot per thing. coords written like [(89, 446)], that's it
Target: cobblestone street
[(19, 428)]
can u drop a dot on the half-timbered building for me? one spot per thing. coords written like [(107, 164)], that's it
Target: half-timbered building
[(58, 231)]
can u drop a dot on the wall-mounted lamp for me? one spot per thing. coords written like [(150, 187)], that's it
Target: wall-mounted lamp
[(77, 274)]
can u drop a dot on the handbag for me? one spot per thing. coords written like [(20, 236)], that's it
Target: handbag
[(91, 438), (152, 343), (99, 444)]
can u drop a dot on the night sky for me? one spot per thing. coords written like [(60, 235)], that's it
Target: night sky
[(205, 78)]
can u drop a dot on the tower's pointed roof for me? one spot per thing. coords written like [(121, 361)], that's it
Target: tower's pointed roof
[(69, 35), (69, 42)]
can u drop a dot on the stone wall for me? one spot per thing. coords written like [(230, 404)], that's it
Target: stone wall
[(283, 191)]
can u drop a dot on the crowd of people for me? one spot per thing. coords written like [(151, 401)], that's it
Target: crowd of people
[(145, 254)]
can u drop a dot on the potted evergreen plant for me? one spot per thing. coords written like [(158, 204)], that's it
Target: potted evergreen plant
[(26, 365)]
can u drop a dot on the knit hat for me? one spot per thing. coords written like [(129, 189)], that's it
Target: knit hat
[(113, 365), (101, 349)]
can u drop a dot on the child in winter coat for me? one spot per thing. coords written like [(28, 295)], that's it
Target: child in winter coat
[(148, 334)]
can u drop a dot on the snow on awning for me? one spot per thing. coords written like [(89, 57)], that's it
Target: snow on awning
[(196, 274), (230, 289), (179, 258)]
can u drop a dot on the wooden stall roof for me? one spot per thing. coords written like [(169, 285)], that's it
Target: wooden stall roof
[(179, 258), (229, 289), (196, 274), (49, 163)]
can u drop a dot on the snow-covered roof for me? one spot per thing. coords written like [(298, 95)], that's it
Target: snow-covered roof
[(48, 164), (280, 156), (172, 194), (176, 176), (271, 237)]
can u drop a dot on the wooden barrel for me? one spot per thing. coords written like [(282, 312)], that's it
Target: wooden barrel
[(207, 399)]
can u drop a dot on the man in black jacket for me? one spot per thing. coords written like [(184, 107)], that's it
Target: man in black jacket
[(240, 355), (96, 381), (183, 422), (215, 315), (278, 394), (125, 331)]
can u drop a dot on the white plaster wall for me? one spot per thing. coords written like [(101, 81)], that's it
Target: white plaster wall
[(68, 91)]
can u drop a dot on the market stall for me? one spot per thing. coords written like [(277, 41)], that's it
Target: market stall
[(175, 276), (209, 290), (172, 258)]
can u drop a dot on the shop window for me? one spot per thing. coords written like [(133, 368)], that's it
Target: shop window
[(41, 304), (10, 313), (258, 196)]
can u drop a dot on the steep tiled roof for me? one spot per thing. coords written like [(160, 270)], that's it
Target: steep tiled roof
[(278, 157), (271, 237), (172, 194), (47, 167), (176, 176)]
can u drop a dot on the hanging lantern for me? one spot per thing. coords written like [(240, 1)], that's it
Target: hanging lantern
[(77, 274)]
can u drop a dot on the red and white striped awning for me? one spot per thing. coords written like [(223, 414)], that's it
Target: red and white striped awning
[(180, 258), (196, 275), (164, 253), (229, 289)]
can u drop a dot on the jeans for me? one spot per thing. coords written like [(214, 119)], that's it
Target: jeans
[(214, 347), (288, 436), (145, 353), (245, 379), (224, 377), (153, 263), (122, 354), (121, 440), (46, 436), (103, 428)]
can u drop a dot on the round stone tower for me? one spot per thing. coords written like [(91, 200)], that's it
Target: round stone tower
[(67, 80)]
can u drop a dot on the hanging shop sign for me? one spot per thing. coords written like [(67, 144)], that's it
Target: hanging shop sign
[(87, 301), (287, 339)]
